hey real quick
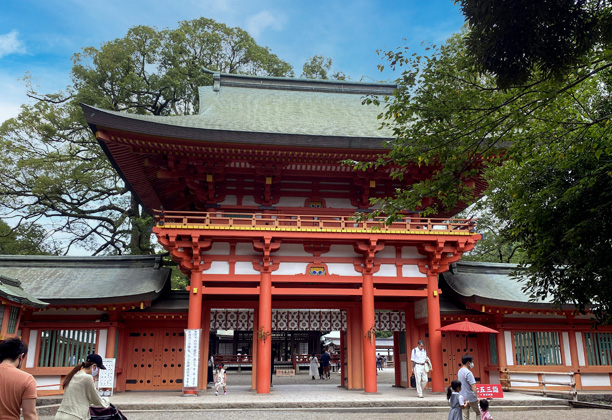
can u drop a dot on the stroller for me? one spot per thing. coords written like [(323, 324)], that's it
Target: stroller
[(106, 413)]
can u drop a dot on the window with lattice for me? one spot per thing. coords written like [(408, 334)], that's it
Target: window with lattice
[(598, 348), (537, 348), (63, 348)]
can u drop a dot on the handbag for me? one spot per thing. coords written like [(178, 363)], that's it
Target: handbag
[(427, 366), (412, 382), (106, 413)]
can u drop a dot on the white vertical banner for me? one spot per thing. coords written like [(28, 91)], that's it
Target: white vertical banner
[(192, 358)]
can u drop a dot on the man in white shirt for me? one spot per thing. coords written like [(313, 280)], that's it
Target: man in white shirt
[(419, 357)]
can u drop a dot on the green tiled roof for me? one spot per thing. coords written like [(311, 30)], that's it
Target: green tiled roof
[(10, 289), (489, 283), (87, 280), (273, 106)]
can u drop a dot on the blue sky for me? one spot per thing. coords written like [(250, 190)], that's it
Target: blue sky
[(39, 36)]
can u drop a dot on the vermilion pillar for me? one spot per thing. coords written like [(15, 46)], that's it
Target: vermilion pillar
[(355, 358), (368, 338), (264, 343), (396, 358), (194, 317), (435, 337), (254, 355), (205, 348), (111, 339)]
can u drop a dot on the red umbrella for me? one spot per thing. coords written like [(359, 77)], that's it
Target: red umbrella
[(467, 327)]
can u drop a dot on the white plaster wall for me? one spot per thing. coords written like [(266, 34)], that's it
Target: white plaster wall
[(293, 250), (342, 251), (102, 339), (32, 346), (230, 200), (412, 271), (411, 252), (516, 379), (245, 267), (219, 248), (580, 349), (291, 201), (386, 270), (218, 267), (248, 200), (290, 268), (48, 380), (595, 379), (386, 252), (509, 351), (404, 372), (338, 203), (342, 269), (494, 377), (246, 248), (566, 349)]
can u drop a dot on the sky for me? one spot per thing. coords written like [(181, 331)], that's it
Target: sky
[(39, 37)]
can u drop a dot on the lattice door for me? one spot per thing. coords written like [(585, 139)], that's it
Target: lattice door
[(155, 359)]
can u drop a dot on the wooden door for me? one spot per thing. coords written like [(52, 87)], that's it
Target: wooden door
[(155, 359), (453, 349)]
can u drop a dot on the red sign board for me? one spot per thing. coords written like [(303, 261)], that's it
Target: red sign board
[(489, 391)]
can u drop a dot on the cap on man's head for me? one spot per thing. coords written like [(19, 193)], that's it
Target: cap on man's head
[(95, 358)]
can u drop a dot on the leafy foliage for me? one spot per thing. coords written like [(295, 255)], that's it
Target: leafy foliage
[(319, 67), (52, 169), (514, 40), (23, 240), (544, 147)]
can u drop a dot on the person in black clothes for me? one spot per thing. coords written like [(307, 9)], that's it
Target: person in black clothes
[(326, 364), (273, 354)]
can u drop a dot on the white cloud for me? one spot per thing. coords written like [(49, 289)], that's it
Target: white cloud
[(10, 44), (263, 20)]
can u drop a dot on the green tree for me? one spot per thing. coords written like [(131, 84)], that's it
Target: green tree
[(51, 165), (319, 67), (540, 145), (517, 40), (26, 239)]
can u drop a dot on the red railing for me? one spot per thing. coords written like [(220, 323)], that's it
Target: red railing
[(258, 221)]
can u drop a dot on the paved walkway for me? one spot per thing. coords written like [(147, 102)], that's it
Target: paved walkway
[(301, 391)]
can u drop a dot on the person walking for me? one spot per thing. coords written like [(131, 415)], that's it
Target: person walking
[(314, 366), (80, 391), (326, 364), (419, 358), (211, 368), (469, 392), (17, 388), (221, 379)]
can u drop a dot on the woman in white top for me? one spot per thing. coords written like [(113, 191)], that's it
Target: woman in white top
[(80, 391), (314, 366)]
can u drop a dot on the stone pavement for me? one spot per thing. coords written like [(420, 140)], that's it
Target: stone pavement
[(301, 392)]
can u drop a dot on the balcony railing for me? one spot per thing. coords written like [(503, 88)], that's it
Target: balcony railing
[(220, 220)]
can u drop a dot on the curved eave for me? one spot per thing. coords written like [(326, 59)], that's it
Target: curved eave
[(17, 300), (99, 119)]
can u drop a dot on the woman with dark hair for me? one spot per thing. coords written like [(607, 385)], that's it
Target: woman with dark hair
[(314, 365), (80, 392)]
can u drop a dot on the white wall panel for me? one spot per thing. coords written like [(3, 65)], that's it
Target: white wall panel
[(218, 267), (386, 270), (245, 267), (246, 248), (494, 377), (219, 248), (509, 351), (248, 200), (411, 252), (293, 250), (386, 252), (516, 379), (290, 268), (230, 200), (566, 349), (102, 338), (580, 349), (338, 203), (412, 271), (342, 269), (341, 251), (595, 379), (32, 346), (291, 201), (48, 380)]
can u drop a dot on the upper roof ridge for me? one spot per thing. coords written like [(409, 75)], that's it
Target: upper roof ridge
[(295, 84)]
